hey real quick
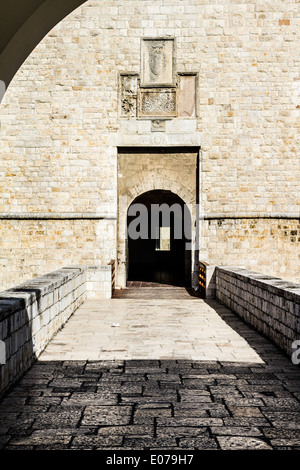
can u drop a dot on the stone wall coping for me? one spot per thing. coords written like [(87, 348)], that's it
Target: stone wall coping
[(57, 216), (20, 297), (275, 285), (99, 268), (112, 216), (32, 313), (51, 281), (27, 298)]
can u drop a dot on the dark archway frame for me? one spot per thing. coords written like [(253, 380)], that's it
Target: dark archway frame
[(147, 264)]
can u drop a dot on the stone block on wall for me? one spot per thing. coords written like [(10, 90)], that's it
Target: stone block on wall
[(100, 281)]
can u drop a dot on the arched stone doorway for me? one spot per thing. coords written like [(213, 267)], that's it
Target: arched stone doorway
[(159, 239), (161, 175)]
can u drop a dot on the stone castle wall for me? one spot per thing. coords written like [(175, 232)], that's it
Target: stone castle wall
[(270, 246), (66, 112), (29, 247)]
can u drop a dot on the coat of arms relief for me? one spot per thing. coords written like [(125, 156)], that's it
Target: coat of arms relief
[(157, 93)]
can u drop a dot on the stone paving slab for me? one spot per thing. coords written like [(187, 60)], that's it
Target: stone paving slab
[(221, 402), (84, 420), (160, 328)]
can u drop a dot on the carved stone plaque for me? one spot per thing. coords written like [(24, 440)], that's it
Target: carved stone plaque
[(157, 62), (187, 96), (129, 95), (158, 102), (158, 125)]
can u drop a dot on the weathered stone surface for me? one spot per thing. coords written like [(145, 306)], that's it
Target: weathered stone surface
[(246, 443), (155, 103), (157, 61), (270, 304), (32, 314), (80, 421), (59, 138), (94, 442), (106, 415), (129, 95), (187, 96)]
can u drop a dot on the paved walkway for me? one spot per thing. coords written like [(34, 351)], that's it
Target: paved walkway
[(149, 323), (155, 369)]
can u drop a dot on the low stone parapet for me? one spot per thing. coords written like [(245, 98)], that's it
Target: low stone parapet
[(271, 305), (33, 312), (100, 282)]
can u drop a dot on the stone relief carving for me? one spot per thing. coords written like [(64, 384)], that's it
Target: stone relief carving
[(155, 94), (158, 125), (157, 103), (157, 62), (129, 84)]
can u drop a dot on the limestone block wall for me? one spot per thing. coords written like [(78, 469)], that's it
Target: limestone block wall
[(61, 122), (31, 314), (271, 246), (31, 248), (270, 304)]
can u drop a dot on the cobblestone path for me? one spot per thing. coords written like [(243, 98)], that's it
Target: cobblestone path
[(216, 401)]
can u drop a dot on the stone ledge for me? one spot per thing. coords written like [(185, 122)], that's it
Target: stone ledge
[(275, 313), (51, 281), (32, 313), (57, 216), (278, 286)]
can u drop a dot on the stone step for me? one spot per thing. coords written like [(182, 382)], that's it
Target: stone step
[(153, 292)]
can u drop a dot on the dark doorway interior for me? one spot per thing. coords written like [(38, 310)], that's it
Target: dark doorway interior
[(165, 258)]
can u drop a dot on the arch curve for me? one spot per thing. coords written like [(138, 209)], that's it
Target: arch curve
[(23, 25), (148, 186), (159, 239)]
